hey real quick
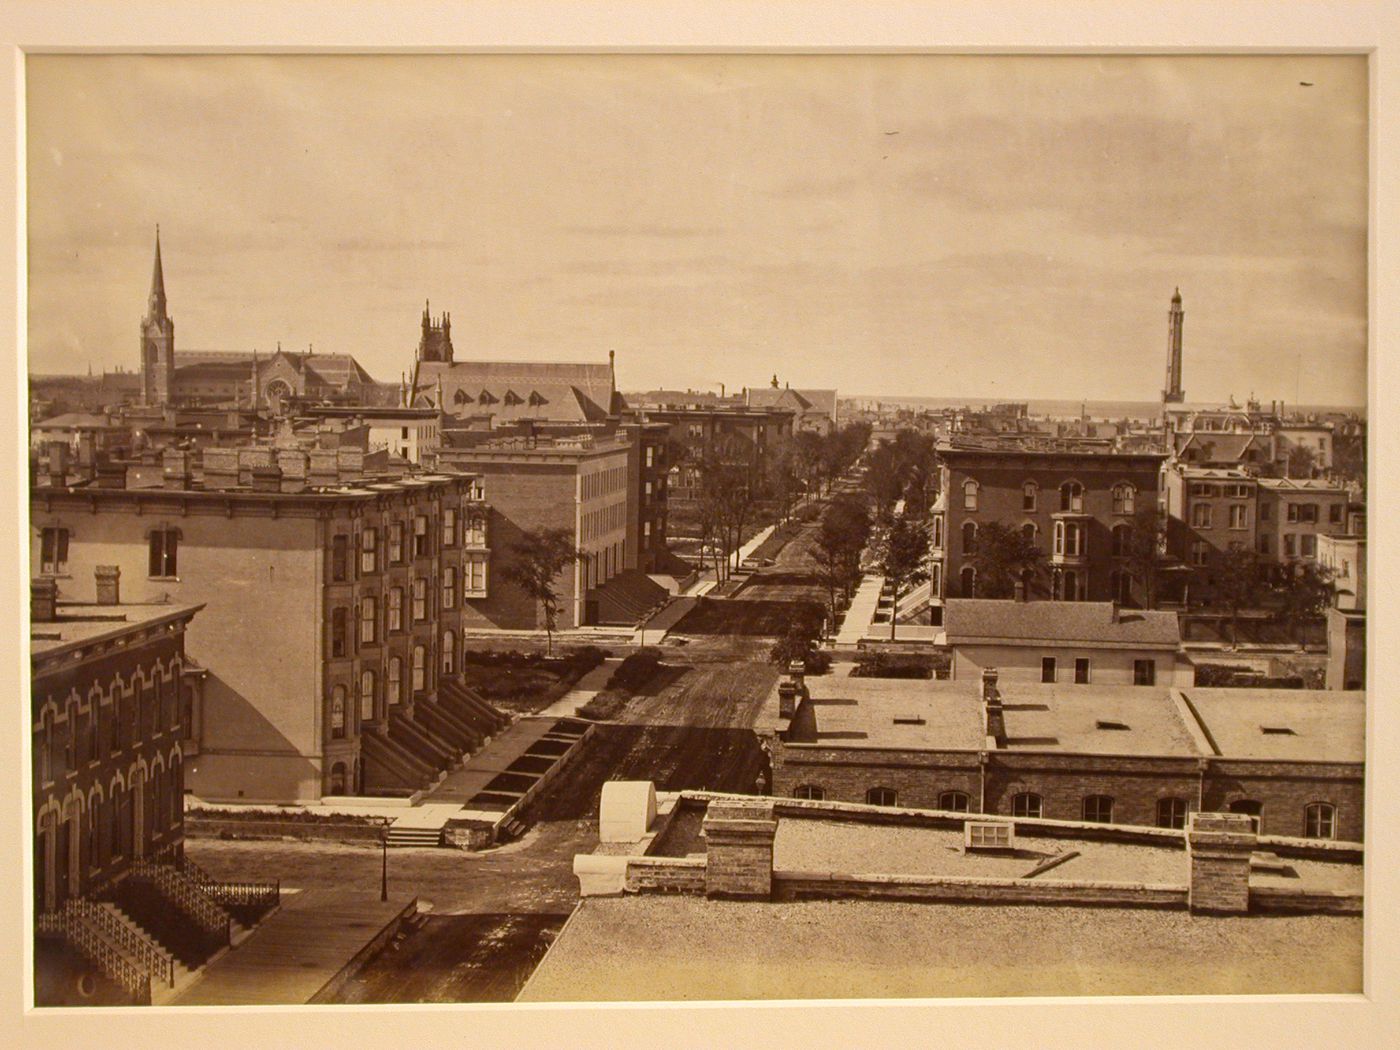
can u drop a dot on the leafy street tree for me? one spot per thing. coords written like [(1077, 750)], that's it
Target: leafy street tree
[(537, 559), (1145, 552), (1003, 555), (1304, 592), (842, 535), (1302, 462), (903, 556), (1239, 583)]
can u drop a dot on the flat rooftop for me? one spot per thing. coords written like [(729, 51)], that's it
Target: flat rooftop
[(1313, 725), (650, 948), (81, 624), (1095, 719), (890, 713), (969, 621)]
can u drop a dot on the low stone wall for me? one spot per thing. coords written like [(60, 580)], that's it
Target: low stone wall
[(792, 885), (215, 828), (665, 875), (1282, 900)]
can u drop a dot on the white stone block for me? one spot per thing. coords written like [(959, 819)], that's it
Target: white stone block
[(626, 810)]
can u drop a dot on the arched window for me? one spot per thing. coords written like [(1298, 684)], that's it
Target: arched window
[(366, 696), (449, 653), (338, 713), (338, 779), (1250, 808), (1069, 586), (1072, 497), (1320, 821), (969, 494), (1098, 809), (969, 537), (395, 689), (1171, 813), (953, 801), (1124, 496), (811, 791), (1026, 804), (967, 582), (420, 668), (881, 796), (1122, 541), (1029, 493), (449, 587)]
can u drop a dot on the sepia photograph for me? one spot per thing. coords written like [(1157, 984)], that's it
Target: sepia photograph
[(656, 528)]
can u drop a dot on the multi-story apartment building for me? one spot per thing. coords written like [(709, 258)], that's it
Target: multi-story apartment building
[(331, 635), (649, 471), (1209, 512), (750, 432), (1294, 514), (1078, 507)]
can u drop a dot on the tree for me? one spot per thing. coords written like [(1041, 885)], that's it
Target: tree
[(842, 535), (1146, 548), (1302, 461), (537, 559), (1304, 592), (1239, 583), (782, 475), (1003, 555), (903, 556)]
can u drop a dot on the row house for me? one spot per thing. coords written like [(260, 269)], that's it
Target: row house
[(1295, 513), (1077, 507), (1209, 512), (750, 431), (330, 643)]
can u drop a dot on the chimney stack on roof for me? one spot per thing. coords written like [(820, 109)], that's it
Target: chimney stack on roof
[(43, 600), (109, 584), (991, 700)]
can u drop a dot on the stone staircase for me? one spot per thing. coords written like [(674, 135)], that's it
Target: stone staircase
[(419, 749), (401, 837)]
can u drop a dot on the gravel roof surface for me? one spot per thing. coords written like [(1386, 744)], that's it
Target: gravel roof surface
[(1327, 725), (834, 846), (689, 948)]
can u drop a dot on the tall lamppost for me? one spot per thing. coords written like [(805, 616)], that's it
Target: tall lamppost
[(384, 861)]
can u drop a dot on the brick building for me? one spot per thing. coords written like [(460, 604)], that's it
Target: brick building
[(1087, 642), (589, 483), (1293, 759), (331, 636), (1209, 511), (1076, 506), (747, 432), (1294, 514)]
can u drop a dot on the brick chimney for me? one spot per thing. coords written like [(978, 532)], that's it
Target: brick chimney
[(739, 835), (43, 600), (175, 469), (109, 475), (58, 464), (1219, 846), (1020, 590), (266, 477), (991, 701), (109, 585), (220, 468)]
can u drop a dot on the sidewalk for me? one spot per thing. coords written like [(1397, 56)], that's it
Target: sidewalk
[(707, 582), (584, 690), (862, 611)]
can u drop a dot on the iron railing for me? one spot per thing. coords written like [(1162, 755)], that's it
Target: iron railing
[(156, 961), (99, 952)]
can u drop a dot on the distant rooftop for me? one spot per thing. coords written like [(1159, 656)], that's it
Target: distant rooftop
[(1082, 624), (1302, 725), (77, 624)]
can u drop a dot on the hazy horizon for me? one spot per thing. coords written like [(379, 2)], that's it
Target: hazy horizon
[(1012, 222)]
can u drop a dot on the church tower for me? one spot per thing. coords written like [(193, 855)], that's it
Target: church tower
[(436, 341), (157, 342), (1172, 393)]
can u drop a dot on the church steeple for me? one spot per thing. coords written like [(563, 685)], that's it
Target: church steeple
[(155, 304)]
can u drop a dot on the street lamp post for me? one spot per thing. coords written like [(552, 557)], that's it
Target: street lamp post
[(384, 862)]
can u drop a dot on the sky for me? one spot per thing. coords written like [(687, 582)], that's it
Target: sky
[(941, 226)]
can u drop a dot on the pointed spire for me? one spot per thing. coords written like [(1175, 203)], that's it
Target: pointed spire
[(156, 303)]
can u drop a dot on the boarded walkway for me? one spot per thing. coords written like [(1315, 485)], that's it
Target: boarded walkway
[(861, 614), (480, 769), (299, 950), (584, 690)]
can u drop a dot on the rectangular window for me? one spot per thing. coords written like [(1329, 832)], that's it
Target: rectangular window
[(340, 558), (1307, 513), (1307, 545), (1334, 514), (340, 635), (1289, 545), (1239, 516), (395, 542), (53, 555), (1200, 551), (476, 531), (1047, 669), (1081, 670), (164, 544), (1293, 514), (476, 489), (396, 609), (1144, 672), (369, 620), (420, 599), (651, 450), (369, 551), (420, 537), (474, 574), (1201, 516), (449, 587), (449, 526)]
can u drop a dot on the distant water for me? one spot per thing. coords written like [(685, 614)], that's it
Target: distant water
[(1072, 409)]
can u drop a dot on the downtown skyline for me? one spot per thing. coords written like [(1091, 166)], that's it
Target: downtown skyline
[(988, 227)]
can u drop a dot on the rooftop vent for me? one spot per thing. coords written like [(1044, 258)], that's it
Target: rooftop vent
[(908, 720), (988, 835), (1277, 730), (1110, 725)]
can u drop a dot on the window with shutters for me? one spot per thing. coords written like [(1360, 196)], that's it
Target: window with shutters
[(53, 552)]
